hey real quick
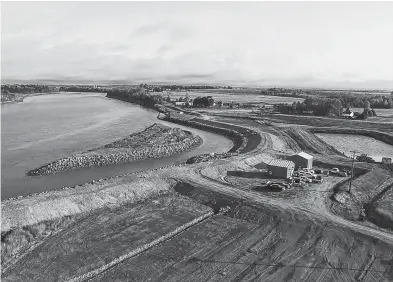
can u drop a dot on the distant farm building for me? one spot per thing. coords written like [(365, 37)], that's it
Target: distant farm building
[(280, 168), (302, 160), (348, 115), (386, 160), (180, 103)]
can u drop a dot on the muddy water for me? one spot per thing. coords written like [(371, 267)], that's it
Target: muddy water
[(347, 142), (45, 128)]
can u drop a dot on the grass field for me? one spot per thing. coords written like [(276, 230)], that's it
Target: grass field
[(371, 123), (228, 97)]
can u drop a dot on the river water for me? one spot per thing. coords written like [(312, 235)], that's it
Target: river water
[(45, 128)]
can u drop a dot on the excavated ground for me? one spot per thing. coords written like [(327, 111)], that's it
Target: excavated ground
[(290, 236)]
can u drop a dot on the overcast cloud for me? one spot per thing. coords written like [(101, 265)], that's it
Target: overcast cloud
[(303, 43)]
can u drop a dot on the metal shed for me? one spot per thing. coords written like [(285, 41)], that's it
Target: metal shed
[(280, 168), (302, 160)]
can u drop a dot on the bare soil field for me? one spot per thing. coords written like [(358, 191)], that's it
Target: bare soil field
[(93, 241), (307, 141), (258, 243), (287, 138), (82, 199)]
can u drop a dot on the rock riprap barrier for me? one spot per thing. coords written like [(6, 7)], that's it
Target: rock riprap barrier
[(240, 136), (156, 141)]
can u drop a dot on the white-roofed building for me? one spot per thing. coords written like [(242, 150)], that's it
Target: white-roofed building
[(280, 168), (302, 160)]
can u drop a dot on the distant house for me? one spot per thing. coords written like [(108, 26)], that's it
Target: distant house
[(308, 112), (180, 103), (348, 115), (302, 160), (386, 160), (280, 168)]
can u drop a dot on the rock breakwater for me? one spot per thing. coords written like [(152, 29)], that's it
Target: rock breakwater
[(156, 141), (244, 139)]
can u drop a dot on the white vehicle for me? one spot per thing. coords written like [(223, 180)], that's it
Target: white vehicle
[(335, 170)]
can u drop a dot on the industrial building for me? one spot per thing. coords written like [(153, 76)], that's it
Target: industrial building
[(280, 168), (302, 160)]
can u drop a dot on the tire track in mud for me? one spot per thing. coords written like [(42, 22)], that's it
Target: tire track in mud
[(317, 214), (367, 267), (141, 249), (307, 207)]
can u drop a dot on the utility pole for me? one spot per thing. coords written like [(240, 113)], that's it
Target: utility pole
[(353, 161)]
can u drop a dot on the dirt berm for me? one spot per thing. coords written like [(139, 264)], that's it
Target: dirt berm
[(244, 140)]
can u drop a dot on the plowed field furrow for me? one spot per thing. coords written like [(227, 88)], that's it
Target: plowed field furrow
[(289, 260), (74, 252)]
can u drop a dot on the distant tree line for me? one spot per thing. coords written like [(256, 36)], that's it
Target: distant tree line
[(81, 88), (360, 100), (347, 99), (203, 102), (323, 107), (182, 87), (137, 95), (38, 88), (16, 92), (284, 92), (313, 105), (365, 158), (27, 88)]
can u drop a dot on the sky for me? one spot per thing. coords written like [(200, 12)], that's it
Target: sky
[(316, 44)]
